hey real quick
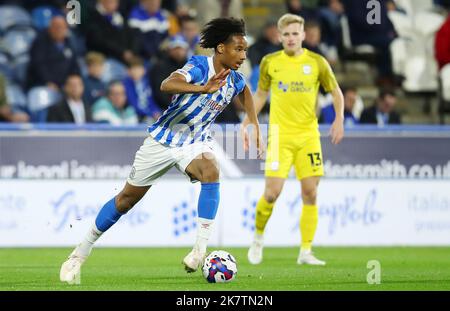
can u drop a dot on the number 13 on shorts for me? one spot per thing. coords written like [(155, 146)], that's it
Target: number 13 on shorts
[(309, 161)]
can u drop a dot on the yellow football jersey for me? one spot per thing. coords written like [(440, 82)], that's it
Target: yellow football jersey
[(293, 82)]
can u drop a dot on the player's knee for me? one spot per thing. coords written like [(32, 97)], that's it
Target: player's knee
[(124, 203), (309, 194), (271, 195), (209, 173)]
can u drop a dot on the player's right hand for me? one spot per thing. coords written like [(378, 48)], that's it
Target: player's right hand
[(216, 81)]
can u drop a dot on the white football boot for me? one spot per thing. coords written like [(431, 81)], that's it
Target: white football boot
[(193, 260), (255, 252), (71, 269), (308, 258)]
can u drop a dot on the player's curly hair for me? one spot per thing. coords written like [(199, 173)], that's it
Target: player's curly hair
[(220, 30)]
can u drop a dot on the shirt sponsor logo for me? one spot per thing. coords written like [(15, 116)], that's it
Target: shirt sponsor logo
[(283, 86), (294, 86)]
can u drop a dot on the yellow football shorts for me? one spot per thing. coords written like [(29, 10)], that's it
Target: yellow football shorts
[(305, 153)]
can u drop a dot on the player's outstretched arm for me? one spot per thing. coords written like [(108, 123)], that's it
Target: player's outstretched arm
[(337, 128), (177, 84), (259, 100), (245, 97)]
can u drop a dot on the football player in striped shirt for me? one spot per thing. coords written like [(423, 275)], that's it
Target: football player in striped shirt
[(180, 138)]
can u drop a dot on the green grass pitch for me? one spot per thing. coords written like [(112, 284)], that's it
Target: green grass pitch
[(402, 268)]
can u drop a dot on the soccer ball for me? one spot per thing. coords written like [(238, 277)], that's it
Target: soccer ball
[(219, 267)]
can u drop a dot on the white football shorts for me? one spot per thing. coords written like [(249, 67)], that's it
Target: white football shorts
[(154, 159)]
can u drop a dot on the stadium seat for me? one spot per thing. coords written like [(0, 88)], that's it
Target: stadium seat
[(421, 74), (420, 23), (254, 78), (411, 7), (428, 23), (20, 69), (42, 15), (40, 98), (114, 70), (12, 16), (18, 41), (5, 66), (16, 97), (403, 24), (444, 94), (399, 53), (365, 52), (413, 51), (445, 79)]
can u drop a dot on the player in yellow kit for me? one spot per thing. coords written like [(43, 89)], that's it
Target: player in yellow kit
[(292, 76)]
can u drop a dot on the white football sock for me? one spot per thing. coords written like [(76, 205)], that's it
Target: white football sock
[(85, 247), (259, 238), (204, 230)]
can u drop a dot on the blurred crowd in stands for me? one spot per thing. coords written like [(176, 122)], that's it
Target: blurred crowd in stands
[(109, 67)]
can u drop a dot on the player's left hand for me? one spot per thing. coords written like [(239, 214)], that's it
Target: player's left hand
[(216, 82), (257, 138), (337, 132), (260, 147)]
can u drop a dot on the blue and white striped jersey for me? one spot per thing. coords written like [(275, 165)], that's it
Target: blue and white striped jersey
[(189, 117)]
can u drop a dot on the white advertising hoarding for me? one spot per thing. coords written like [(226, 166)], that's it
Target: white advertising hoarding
[(351, 212)]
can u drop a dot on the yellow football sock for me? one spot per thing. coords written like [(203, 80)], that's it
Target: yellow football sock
[(263, 212), (308, 225)]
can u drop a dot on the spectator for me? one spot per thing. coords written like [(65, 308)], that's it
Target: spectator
[(350, 100), (442, 4), (268, 42), (170, 5), (52, 57), (139, 92), (298, 8), (379, 35), (330, 21), (312, 37), (207, 10), (182, 9), (107, 32), (72, 109), (154, 25), (6, 113), (313, 42), (94, 87), (382, 112), (442, 42), (174, 59), (190, 31), (113, 108)]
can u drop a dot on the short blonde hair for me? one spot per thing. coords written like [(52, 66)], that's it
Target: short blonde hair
[(288, 19), (93, 58)]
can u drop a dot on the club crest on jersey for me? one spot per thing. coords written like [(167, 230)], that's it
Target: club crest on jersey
[(307, 69)]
